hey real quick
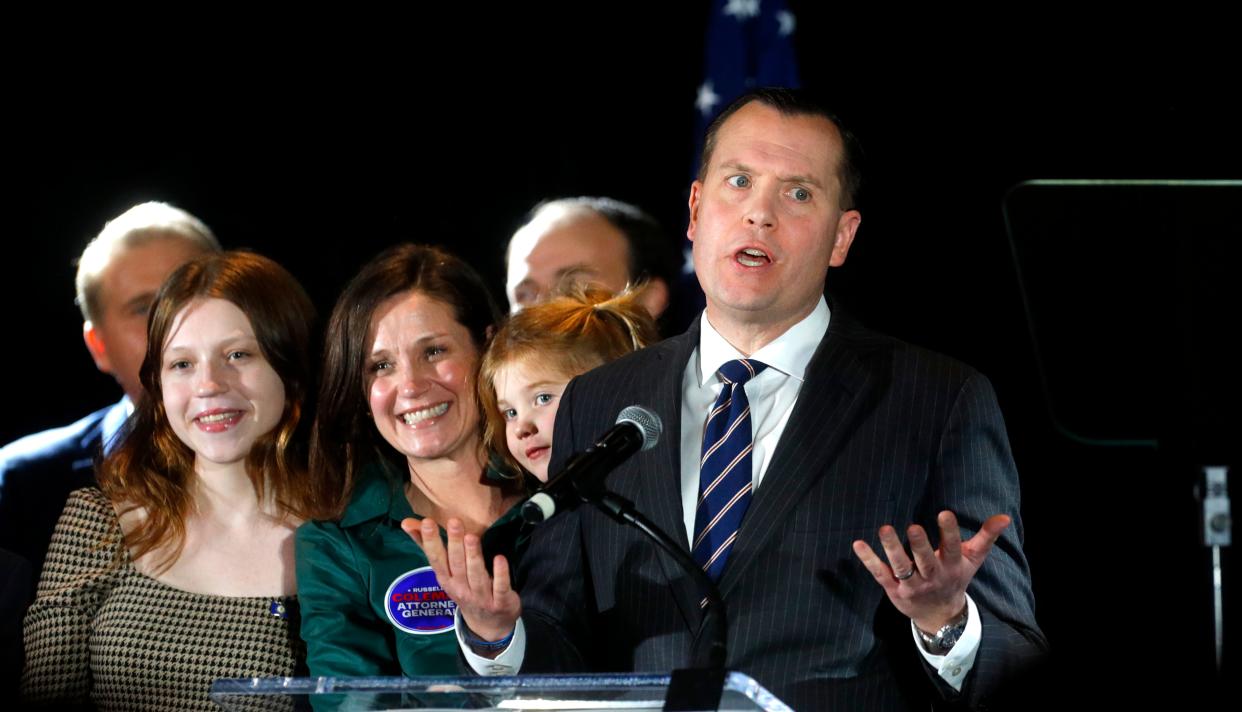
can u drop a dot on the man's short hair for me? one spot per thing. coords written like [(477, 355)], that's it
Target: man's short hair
[(138, 225), (795, 102), (651, 253)]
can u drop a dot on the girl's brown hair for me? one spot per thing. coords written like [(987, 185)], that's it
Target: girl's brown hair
[(570, 334), (150, 469)]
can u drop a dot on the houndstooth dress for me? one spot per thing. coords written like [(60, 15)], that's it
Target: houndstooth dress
[(99, 630)]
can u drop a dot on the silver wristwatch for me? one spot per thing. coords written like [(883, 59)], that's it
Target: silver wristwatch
[(945, 638)]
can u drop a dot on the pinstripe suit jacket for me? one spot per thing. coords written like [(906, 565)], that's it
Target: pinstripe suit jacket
[(882, 432)]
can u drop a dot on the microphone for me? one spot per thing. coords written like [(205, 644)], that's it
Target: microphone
[(636, 429)]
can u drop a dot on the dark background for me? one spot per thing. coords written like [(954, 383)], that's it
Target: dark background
[(319, 141)]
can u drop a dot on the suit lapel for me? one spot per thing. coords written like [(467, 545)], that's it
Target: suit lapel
[(661, 499), (840, 384)]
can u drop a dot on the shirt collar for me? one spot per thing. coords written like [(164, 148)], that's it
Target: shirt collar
[(376, 494), (788, 353), (113, 420)]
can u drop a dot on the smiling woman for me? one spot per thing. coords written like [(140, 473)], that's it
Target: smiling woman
[(399, 435), (420, 378), (187, 546)]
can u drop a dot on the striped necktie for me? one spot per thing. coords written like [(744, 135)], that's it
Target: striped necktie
[(724, 470)]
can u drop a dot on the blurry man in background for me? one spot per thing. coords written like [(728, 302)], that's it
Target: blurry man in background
[(599, 241), (118, 275)]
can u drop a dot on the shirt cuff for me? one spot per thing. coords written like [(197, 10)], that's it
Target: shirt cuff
[(954, 666), (508, 662)]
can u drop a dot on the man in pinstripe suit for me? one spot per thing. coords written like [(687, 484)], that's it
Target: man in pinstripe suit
[(850, 430)]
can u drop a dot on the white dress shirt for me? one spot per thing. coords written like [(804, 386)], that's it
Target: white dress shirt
[(772, 395)]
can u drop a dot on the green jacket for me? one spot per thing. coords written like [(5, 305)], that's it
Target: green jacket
[(367, 609)]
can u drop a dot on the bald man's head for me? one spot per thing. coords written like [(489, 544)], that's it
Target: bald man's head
[(596, 241)]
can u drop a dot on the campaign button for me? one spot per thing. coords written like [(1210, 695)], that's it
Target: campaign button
[(416, 604)]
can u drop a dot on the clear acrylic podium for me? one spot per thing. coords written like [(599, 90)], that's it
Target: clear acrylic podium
[(526, 692)]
